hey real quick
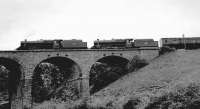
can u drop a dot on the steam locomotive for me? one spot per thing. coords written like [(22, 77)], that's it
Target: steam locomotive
[(52, 44), (124, 43)]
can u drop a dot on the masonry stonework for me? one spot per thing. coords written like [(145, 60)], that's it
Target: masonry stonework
[(28, 61)]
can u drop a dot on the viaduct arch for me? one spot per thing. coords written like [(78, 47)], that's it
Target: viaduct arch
[(106, 70), (12, 80), (27, 63), (53, 75)]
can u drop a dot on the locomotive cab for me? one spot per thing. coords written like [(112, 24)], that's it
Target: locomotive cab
[(57, 44)]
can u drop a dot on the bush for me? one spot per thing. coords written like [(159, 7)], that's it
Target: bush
[(164, 50), (5, 106), (86, 106), (49, 82), (184, 98), (75, 105), (136, 63), (131, 104), (4, 94), (102, 74)]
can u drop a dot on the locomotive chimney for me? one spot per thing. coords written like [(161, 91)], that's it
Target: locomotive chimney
[(98, 46), (184, 41)]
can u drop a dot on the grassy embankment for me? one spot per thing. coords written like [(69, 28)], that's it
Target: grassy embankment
[(169, 81)]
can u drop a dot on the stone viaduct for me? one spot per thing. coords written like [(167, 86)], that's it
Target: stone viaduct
[(23, 63)]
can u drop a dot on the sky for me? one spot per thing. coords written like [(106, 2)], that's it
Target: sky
[(92, 19)]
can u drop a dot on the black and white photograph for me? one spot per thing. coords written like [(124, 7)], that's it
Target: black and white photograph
[(99, 54)]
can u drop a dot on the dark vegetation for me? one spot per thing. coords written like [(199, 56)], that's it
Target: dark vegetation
[(5, 106), (166, 49), (132, 104), (183, 98), (9, 81), (51, 83), (187, 97), (85, 106), (136, 63), (102, 74), (107, 71), (4, 96), (180, 98)]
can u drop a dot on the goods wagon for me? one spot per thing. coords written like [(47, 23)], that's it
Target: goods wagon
[(181, 43)]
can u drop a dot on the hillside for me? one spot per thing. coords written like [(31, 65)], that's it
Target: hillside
[(171, 81), (165, 73)]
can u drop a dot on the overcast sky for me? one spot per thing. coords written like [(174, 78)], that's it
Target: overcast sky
[(92, 19)]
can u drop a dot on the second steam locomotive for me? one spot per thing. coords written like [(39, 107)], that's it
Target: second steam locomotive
[(124, 43)]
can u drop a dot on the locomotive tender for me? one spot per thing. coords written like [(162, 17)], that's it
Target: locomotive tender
[(145, 43)]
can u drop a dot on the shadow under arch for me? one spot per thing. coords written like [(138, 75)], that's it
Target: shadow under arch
[(10, 75), (107, 70), (114, 60), (52, 76)]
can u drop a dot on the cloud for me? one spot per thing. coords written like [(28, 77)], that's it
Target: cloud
[(188, 8), (17, 16), (91, 19), (19, 12)]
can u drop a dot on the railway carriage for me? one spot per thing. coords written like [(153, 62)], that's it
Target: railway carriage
[(181, 43)]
